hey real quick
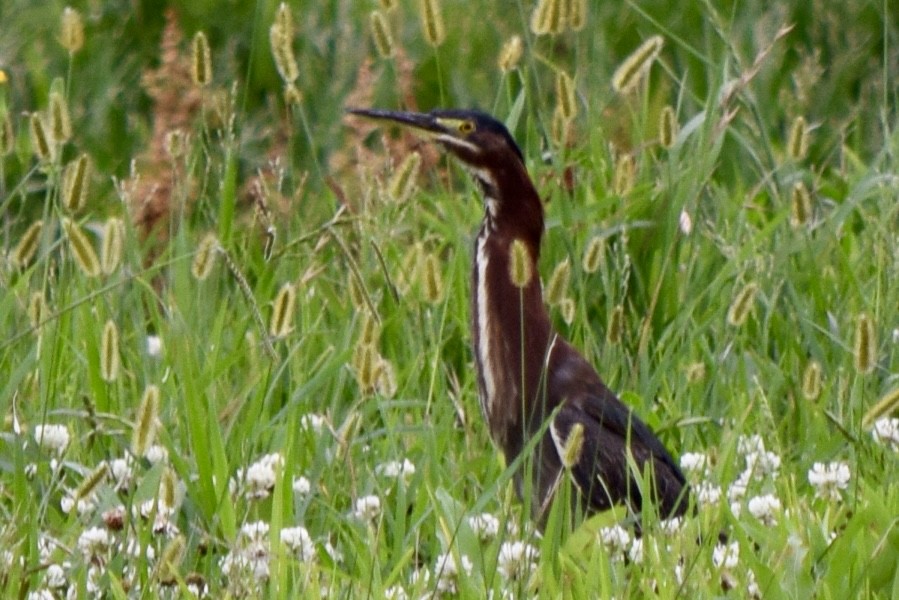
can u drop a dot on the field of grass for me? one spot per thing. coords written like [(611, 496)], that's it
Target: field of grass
[(235, 355)]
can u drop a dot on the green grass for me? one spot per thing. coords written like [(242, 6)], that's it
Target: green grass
[(229, 395)]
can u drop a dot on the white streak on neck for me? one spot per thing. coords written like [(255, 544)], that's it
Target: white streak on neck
[(483, 323)]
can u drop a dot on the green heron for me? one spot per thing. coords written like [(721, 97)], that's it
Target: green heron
[(526, 372)]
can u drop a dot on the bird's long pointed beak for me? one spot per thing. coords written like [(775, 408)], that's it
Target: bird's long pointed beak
[(422, 123)]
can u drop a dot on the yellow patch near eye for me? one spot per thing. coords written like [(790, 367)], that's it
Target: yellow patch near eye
[(466, 127)]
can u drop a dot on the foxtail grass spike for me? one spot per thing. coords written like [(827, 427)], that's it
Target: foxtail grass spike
[(593, 255), (109, 353), (370, 330), (887, 405), (365, 365), (281, 323), (520, 270), (615, 331), (548, 17), (113, 243), (742, 305), (168, 488), (667, 127), (797, 145), (202, 60), (402, 184), (386, 381), (71, 30), (144, 433), (82, 250), (28, 244), (60, 122), (91, 481), (381, 34), (565, 95), (557, 287), (431, 15), (571, 447), (76, 181), (204, 259), (170, 561), (560, 127), (811, 381), (510, 55), (37, 310), (800, 206), (567, 308), (42, 146), (865, 345), (635, 67), (281, 40), (625, 174), (577, 14), (432, 280)]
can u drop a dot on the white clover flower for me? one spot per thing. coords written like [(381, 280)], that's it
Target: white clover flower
[(726, 556), (395, 592), (707, 494), (261, 475), (448, 571), (250, 555), (94, 542), (301, 486), (752, 586), (335, 554), (737, 490), (313, 422), (298, 540), (886, 432), (829, 479), (694, 463), (157, 454), (765, 508), (750, 444), (763, 463), (484, 525), (516, 558), (616, 539), (672, 526), (396, 469), (83, 506), (54, 438), (40, 595), (635, 552), (367, 508), (55, 577), (685, 222), (120, 469), (256, 531), (154, 345)]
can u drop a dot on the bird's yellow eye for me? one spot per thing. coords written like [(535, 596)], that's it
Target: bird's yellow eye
[(466, 127)]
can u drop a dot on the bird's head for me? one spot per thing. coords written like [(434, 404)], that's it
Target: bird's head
[(479, 141)]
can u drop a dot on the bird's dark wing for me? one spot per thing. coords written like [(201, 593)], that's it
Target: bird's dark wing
[(602, 471)]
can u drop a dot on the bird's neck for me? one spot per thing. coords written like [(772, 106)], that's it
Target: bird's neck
[(511, 328)]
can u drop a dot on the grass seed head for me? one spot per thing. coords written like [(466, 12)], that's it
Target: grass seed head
[(82, 249), (615, 331), (365, 364), (170, 560), (865, 345), (370, 330), (797, 144), (576, 12), (635, 67), (432, 21), (201, 63), (109, 352), (42, 146), (667, 127), (570, 450), (594, 254), (402, 184), (37, 310), (742, 305), (811, 381), (281, 40), (567, 308), (75, 183), (281, 323), (520, 268), (800, 205), (144, 433), (90, 483), (60, 122), (565, 95), (625, 174), (28, 244), (888, 404), (432, 279), (381, 34), (113, 242), (71, 30), (549, 17), (204, 259), (386, 378), (557, 287), (510, 55), (168, 488)]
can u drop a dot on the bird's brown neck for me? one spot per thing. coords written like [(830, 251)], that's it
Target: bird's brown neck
[(511, 329)]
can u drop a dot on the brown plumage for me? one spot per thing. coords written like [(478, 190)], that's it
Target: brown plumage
[(526, 372)]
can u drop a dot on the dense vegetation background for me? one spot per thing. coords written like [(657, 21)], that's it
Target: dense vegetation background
[(235, 350)]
